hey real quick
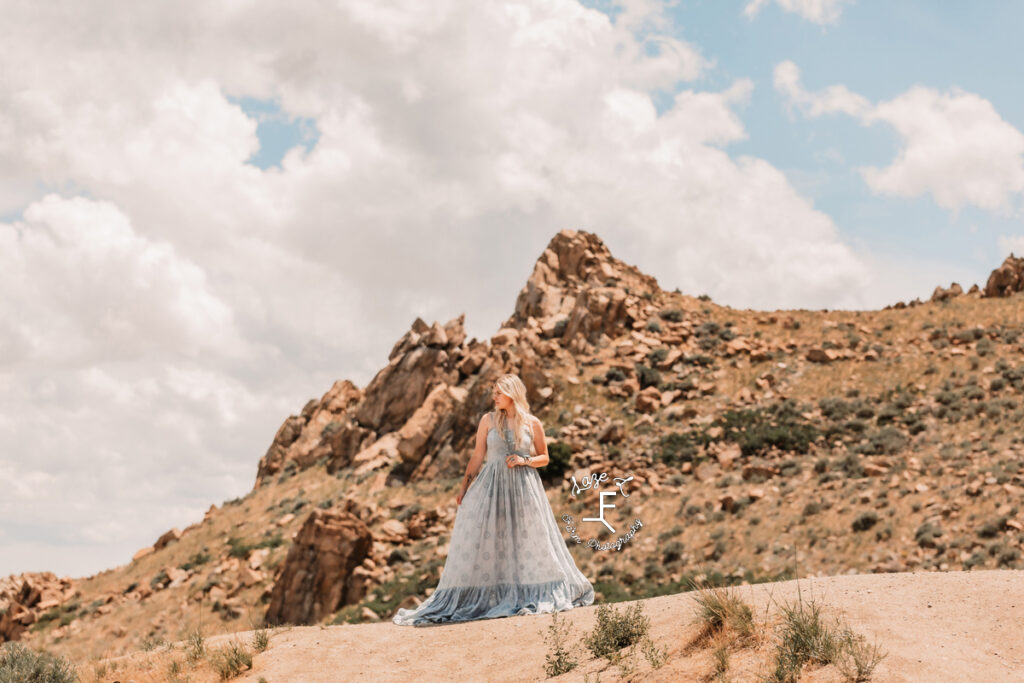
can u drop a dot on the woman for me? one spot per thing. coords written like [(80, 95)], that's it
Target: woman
[(507, 556)]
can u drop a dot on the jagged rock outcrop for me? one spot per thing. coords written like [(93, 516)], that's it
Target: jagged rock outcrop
[(319, 574), (423, 358), (23, 597), (418, 414), (321, 429), (1007, 279), (578, 288), (941, 294)]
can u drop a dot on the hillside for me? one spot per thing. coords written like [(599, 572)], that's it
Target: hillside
[(762, 446)]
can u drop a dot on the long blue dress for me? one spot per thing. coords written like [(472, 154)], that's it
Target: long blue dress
[(507, 556)]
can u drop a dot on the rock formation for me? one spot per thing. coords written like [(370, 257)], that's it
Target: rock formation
[(1007, 279), (319, 574), (24, 597), (419, 413)]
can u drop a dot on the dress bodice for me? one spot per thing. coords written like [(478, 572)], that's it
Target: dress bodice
[(499, 447)]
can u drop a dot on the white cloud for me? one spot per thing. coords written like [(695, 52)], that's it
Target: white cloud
[(956, 147), (166, 305), (817, 11), (831, 100)]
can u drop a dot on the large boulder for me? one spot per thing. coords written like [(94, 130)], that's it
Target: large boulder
[(1007, 278), (318, 575)]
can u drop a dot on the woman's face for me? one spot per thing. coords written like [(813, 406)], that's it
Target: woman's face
[(502, 401)]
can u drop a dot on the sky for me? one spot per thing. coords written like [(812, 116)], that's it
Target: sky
[(211, 211)]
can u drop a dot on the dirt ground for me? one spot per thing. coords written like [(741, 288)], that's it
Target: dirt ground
[(934, 626)]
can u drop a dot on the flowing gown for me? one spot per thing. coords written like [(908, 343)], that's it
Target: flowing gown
[(507, 556)]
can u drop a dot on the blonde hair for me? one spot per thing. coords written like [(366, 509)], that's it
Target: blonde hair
[(513, 387)]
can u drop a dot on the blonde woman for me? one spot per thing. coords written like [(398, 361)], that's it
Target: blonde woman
[(507, 556)]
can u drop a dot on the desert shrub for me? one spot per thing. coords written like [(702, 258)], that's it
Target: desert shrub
[(240, 548), (865, 521), (559, 461), (408, 511), (653, 326), (196, 560), (647, 376), (991, 528), (671, 314), (20, 663), (852, 466), (812, 508), (656, 356), (721, 609), (708, 329), (560, 658), (614, 630), (229, 661), (672, 552), (835, 408), (260, 639), (780, 425), (614, 375), (926, 535), (160, 580), (806, 636), (887, 415), (885, 441), (677, 447), (1008, 557)]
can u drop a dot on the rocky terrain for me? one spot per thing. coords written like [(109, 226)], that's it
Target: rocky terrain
[(762, 446)]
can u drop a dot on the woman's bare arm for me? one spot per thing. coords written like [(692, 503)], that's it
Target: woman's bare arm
[(541, 459), (476, 460)]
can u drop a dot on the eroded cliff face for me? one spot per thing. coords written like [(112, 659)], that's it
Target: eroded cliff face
[(418, 415)]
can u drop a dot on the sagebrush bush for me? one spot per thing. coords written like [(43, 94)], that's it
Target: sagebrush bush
[(614, 630), (230, 660), (19, 663)]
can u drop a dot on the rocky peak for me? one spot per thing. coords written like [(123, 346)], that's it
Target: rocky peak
[(578, 288), (1007, 279)]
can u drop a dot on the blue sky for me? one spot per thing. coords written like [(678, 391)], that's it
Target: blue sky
[(877, 49)]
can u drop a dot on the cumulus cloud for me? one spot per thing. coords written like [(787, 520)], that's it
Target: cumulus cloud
[(168, 304), (817, 11), (955, 146)]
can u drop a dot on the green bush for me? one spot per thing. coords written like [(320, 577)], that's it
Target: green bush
[(677, 447), (648, 377), (614, 630), (926, 535), (197, 559), (19, 663), (559, 461), (865, 521), (780, 425)]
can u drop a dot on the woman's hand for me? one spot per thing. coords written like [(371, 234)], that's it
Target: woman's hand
[(515, 460)]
